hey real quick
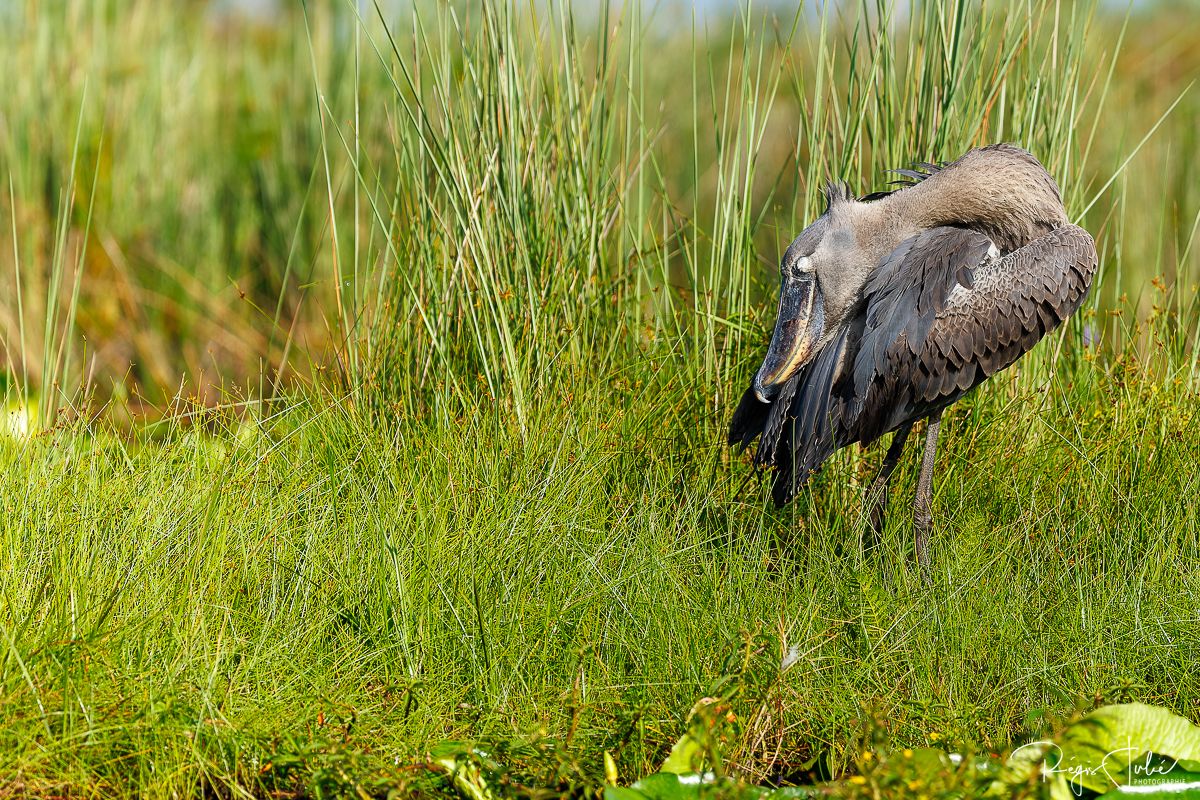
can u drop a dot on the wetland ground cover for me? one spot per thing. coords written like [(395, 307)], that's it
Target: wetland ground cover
[(366, 388)]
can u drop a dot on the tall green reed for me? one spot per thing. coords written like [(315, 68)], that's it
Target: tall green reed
[(492, 202), (577, 198)]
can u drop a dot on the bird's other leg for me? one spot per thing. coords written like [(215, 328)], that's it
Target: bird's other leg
[(923, 507), (878, 495)]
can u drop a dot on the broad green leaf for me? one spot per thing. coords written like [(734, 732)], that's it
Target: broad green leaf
[(1166, 791), (623, 793), (686, 756), (1113, 746), (668, 786), (929, 760), (1159, 777), (665, 786), (1160, 793), (460, 762)]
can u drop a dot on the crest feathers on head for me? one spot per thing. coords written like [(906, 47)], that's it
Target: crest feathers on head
[(836, 192)]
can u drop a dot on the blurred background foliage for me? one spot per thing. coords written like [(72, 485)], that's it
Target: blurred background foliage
[(244, 199)]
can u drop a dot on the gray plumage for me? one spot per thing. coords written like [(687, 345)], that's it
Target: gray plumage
[(907, 302)]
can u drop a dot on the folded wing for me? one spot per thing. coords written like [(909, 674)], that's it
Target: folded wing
[(946, 312), (938, 316)]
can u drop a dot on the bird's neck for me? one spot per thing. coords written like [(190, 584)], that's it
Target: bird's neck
[(1012, 205)]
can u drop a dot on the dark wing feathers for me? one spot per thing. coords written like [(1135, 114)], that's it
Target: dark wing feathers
[(920, 171), (776, 417), (749, 419), (906, 293), (753, 418), (808, 416), (908, 177), (938, 316), (949, 338)]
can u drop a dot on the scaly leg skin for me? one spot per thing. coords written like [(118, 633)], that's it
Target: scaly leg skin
[(877, 495), (923, 507)]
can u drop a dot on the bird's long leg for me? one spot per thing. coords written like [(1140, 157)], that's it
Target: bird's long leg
[(878, 495), (923, 507)]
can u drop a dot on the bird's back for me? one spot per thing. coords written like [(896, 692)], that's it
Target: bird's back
[(949, 307)]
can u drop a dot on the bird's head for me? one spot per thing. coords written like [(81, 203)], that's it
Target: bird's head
[(821, 274), (999, 190)]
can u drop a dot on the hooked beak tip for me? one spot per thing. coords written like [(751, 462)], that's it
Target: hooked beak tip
[(799, 327), (761, 391)]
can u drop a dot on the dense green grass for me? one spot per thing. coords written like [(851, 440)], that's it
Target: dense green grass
[(523, 260), (178, 613)]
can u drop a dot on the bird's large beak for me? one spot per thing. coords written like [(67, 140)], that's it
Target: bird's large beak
[(799, 327)]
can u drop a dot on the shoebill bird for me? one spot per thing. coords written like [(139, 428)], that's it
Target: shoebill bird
[(895, 305)]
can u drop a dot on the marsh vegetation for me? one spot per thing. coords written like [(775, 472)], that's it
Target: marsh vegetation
[(366, 385)]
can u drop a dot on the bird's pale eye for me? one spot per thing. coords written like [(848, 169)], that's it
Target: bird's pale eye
[(803, 266)]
